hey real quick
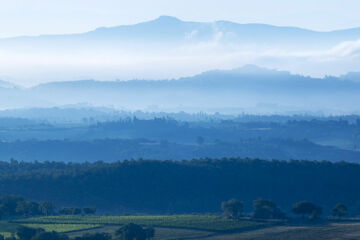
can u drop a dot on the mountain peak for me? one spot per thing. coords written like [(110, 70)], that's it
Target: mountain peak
[(165, 18)]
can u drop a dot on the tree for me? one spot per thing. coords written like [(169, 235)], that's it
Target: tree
[(27, 233), (9, 203), (27, 208), (94, 236), (307, 208), (340, 210), (149, 232), (66, 210), (76, 211), (133, 231), (266, 209), (89, 210), (50, 236), (316, 212), (12, 237), (47, 208), (232, 208), (70, 211)]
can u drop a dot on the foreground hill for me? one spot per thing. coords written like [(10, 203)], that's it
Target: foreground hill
[(183, 187)]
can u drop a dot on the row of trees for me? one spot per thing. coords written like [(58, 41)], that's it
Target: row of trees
[(12, 206), (77, 211), (267, 209), (127, 232)]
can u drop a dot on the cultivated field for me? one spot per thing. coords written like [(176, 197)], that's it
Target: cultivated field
[(186, 227), (199, 222)]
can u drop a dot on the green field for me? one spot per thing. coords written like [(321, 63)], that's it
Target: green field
[(205, 227), (200, 222), (61, 227), (7, 228)]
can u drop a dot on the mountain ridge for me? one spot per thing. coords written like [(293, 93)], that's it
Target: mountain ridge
[(166, 24)]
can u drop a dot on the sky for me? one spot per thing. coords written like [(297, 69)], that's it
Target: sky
[(27, 66), (24, 17)]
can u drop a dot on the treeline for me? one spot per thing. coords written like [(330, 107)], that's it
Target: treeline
[(268, 209), (232, 130), (110, 150), (197, 186), (18, 206), (167, 129)]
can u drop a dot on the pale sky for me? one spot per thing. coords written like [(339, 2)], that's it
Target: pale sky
[(34, 17)]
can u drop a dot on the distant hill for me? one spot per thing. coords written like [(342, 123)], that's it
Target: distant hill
[(248, 89), (4, 84)]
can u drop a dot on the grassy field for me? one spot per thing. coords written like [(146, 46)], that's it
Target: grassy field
[(328, 231), (334, 231), (62, 227), (6, 229), (193, 227), (160, 233), (200, 222)]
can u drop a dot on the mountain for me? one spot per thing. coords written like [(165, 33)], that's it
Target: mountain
[(248, 89), (171, 30), (247, 79), (168, 47)]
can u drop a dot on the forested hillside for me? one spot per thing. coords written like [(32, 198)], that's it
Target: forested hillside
[(110, 150), (202, 136), (183, 187)]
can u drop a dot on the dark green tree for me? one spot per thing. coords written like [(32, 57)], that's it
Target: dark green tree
[(27, 233), (66, 211), (133, 231), (340, 210), (76, 211), (47, 208), (50, 236), (316, 212), (27, 208), (266, 209), (70, 211), (12, 237), (9, 203), (232, 208), (149, 232), (89, 210), (94, 236), (307, 208)]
